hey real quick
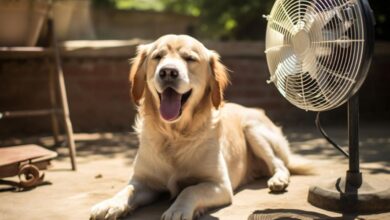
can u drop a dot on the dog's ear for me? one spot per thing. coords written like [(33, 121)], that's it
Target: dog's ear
[(220, 79), (138, 73)]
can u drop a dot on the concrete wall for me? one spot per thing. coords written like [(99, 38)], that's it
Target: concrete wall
[(98, 88)]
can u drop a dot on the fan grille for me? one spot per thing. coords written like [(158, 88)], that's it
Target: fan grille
[(314, 51)]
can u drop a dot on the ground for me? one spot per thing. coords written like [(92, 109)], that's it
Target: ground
[(105, 164)]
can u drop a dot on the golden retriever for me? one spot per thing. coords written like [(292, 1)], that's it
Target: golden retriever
[(192, 144)]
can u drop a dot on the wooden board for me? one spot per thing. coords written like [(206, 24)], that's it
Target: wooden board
[(16, 154)]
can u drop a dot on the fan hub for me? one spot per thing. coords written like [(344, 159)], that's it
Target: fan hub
[(301, 42)]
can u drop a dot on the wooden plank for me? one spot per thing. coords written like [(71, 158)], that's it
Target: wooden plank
[(28, 113), (16, 154), (22, 49), (23, 52)]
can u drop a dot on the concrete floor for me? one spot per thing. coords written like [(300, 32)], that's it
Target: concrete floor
[(104, 166)]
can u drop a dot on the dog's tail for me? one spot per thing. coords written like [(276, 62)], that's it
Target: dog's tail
[(298, 165)]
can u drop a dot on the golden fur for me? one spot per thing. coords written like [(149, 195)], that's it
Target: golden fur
[(206, 152)]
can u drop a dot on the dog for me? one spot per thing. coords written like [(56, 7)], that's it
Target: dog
[(192, 144)]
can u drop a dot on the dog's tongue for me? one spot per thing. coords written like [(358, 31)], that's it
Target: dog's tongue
[(170, 104)]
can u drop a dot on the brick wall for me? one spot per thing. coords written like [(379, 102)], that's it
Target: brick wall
[(98, 89)]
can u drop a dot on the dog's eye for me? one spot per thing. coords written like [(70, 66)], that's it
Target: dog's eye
[(189, 58), (157, 57)]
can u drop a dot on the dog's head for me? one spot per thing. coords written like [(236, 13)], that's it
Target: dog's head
[(177, 73)]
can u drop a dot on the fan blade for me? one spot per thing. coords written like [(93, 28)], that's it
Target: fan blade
[(278, 56), (337, 32), (279, 51), (318, 15), (309, 13), (274, 37), (287, 79), (312, 69), (284, 27), (318, 20), (320, 82), (321, 14), (287, 72), (342, 28), (287, 16), (309, 64), (314, 86)]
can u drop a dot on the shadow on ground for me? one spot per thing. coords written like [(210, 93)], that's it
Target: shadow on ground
[(156, 209), (105, 165), (104, 144), (374, 145), (107, 144)]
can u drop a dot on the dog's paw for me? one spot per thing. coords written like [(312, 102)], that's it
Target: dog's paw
[(110, 209), (177, 213), (278, 182)]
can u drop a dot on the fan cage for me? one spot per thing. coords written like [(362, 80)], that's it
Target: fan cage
[(317, 51)]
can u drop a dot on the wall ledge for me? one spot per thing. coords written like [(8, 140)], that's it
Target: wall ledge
[(119, 49)]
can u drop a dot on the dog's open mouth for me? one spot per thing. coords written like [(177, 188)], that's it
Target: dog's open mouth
[(171, 103)]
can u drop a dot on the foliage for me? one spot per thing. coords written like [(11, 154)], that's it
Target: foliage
[(228, 19), (234, 19), (382, 15), (156, 5), (104, 3)]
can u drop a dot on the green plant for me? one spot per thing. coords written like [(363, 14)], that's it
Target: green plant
[(233, 19)]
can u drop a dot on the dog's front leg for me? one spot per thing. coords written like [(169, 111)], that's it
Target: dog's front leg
[(194, 199), (133, 195)]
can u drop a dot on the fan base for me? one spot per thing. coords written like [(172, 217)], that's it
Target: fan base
[(342, 196)]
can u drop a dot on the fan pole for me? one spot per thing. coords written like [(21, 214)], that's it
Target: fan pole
[(351, 194), (354, 176)]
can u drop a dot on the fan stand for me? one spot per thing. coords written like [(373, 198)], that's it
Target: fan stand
[(352, 194)]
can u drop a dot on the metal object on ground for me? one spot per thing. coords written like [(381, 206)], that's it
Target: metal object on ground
[(26, 161), (29, 176)]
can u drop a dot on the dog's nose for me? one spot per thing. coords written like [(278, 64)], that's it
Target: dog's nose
[(168, 73)]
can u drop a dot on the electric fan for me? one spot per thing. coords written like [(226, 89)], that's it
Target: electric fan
[(318, 54)]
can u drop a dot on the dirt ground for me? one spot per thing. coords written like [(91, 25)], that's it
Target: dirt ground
[(105, 164)]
